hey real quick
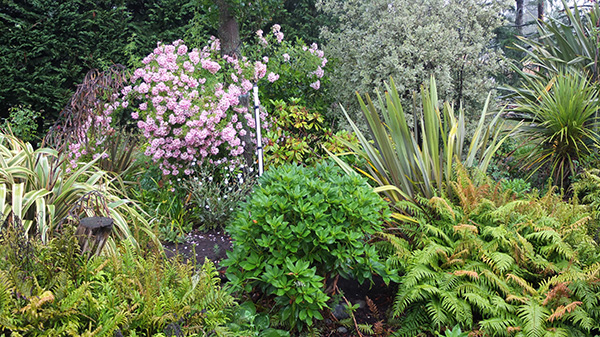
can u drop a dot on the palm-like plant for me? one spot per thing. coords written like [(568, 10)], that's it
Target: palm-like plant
[(403, 165), (35, 187), (574, 44), (561, 119)]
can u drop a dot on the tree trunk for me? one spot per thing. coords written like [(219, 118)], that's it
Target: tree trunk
[(229, 30), (519, 16), (540, 10)]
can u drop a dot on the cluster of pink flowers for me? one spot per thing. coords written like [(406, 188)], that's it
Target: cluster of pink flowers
[(91, 135), (314, 49), (185, 112), (187, 102)]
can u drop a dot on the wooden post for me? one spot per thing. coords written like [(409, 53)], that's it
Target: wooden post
[(92, 233)]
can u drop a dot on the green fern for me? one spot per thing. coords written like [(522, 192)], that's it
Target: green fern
[(505, 267)]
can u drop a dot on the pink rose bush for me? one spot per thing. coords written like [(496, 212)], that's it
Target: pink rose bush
[(298, 70), (186, 101), (187, 105)]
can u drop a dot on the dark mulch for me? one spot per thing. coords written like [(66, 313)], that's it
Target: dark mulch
[(375, 300), (212, 244)]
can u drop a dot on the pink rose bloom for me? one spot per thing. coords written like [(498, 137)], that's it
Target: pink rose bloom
[(211, 66), (246, 85), (286, 57), (260, 70), (319, 72), (316, 85), (272, 77), (143, 88), (194, 56), (182, 49), (279, 37)]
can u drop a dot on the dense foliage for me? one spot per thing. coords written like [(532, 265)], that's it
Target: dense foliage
[(51, 290), (302, 225), (36, 186), (499, 265), (299, 135), (411, 41), (142, 144), (48, 47)]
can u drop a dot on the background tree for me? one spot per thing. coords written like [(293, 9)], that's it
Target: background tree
[(47, 46), (411, 40)]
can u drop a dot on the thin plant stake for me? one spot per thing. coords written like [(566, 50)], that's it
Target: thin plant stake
[(259, 148)]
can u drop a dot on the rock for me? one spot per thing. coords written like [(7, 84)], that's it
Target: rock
[(342, 330), (340, 311)]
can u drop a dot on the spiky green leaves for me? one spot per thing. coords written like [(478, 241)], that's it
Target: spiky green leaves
[(561, 119)]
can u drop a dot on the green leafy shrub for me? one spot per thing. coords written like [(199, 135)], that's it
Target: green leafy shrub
[(247, 322), (57, 292), (299, 135), (216, 193), (499, 265), (519, 186), (300, 225), (22, 122)]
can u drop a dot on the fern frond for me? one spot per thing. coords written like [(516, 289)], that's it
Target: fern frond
[(497, 326), (365, 328), (581, 319), (533, 318), (442, 207), (563, 309), (413, 323), (515, 298), (372, 307), (493, 281), (418, 273), (498, 261), (400, 247), (436, 312), (521, 282), (558, 332), (470, 273), (410, 295), (6, 305), (464, 227)]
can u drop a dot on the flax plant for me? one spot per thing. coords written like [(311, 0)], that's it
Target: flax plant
[(404, 166), (35, 187)]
